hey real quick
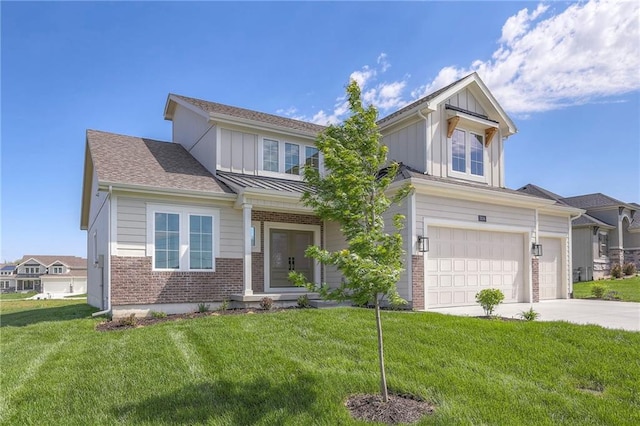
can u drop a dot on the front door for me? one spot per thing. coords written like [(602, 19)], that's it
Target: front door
[(287, 254)]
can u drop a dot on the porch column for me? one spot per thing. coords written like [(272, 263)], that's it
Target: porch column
[(246, 221)]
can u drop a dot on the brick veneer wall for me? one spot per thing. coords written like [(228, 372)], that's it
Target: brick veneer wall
[(535, 279), (257, 259), (134, 282), (616, 256), (417, 292)]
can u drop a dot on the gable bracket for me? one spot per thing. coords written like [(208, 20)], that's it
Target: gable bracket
[(489, 134), (453, 122)]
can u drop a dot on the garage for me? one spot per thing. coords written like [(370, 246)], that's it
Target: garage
[(549, 268), (462, 262)]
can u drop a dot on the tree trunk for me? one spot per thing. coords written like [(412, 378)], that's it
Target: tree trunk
[(383, 377)]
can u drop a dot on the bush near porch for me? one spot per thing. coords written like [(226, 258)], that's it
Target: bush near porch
[(628, 289), (298, 366)]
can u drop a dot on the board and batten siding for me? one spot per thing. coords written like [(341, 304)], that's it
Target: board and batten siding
[(461, 211), (132, 226), (98, 245), (553, 224), (408, 145), (238, 151)]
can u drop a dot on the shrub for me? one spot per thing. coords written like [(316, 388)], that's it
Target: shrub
[(598, 290), (224, 305), (489, 298), (266, 303), (128, 320), (612, 295), (203, 307), (529, 315), (629, 268), (158, 314), (303, 301), (616, 270)]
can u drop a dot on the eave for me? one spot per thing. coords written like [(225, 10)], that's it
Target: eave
[(151, 190)]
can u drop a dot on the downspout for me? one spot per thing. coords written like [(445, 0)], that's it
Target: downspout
[(108, 261), (570, 255), (427, 169)]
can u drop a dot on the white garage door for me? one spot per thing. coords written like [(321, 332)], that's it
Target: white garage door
[(549, 267), (462, 262)]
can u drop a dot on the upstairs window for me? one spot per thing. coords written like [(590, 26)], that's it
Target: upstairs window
[(467, 155), (287, 157), (312, 157), (292, 159), (270, 156), (57, 270)]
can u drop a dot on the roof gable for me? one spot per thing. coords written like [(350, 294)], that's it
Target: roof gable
[(73, 262)]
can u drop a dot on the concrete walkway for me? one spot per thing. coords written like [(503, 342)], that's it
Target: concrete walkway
[(620, 315)]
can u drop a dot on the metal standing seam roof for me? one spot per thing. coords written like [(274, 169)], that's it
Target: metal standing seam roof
[(146, 162), (213, 107), (263, 182)]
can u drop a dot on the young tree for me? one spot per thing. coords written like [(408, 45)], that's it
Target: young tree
[(354, 193)]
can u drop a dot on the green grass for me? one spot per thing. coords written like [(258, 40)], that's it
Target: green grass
[(298, 366), (16, 296), (628, 289)]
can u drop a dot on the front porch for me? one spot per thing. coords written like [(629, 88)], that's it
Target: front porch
[(280, 300)]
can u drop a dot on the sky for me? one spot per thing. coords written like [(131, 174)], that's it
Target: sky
[(568, 74)]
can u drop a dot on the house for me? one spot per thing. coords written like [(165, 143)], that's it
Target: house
[(51, 274), (607, 234), (7, 278), (215, 214)]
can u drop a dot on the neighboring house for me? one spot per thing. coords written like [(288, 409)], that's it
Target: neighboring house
[(7, 278), (52, 274), (607, 234), (217, 215)]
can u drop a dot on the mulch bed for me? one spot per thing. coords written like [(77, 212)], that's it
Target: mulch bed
[(118, 324), (398, 409)]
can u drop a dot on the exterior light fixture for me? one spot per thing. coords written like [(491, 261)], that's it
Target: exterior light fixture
[(423, 244), (536, 249)]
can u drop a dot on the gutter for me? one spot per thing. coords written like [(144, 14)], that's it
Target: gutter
[(167, 191)]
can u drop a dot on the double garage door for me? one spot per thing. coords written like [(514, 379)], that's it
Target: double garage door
[(461, 262)]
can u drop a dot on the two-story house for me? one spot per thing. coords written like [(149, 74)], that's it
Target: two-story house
[(52, 274), (607, 234), (7, 278), (216, 213)]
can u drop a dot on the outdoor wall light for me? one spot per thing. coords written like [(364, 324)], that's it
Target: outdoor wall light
[(423, 244), (536, 249)]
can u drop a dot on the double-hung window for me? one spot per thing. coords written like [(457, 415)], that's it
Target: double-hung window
[(287, 157), (467, 155), (270, 156), (182, 238)]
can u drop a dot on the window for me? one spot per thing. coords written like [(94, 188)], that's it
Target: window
[(603, 244), (312, 157), (57, 270), (467, 154), (292, 159), (31, 269), (270, 156), (182, 238), (255, 236), (200, 242)]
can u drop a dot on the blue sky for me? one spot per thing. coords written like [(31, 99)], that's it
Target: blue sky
[(567, 73)]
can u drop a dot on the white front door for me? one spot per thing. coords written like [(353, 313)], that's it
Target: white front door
[(461, 262)]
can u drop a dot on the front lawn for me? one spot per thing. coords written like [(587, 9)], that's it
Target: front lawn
[(628, 288), (16, 296), (298, 366)]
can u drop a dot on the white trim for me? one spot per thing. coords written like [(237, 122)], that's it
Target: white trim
[(247, 224), (479, 226), (467, 175), (113, 220), (257, 248), (268, 226), (184, 212)]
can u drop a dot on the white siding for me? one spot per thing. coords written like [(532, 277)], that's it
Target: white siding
[(238, 151), (450, 209), (334, 241), (188, 127), (583, 252), (555, 224), (465, 100), (404, 285), (98, 246), (408, 145), (131, 232)]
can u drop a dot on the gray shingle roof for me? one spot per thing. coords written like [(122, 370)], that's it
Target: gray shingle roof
[(586, 220), (252, 115), (262, 182), (589, 201), (146, 162), (73, 262)]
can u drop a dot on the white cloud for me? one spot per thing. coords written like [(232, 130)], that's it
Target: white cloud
[(587, 52), (362, 76), (383, 62)]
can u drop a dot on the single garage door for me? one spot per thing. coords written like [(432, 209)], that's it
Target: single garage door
[(549, 267), (462, 262)]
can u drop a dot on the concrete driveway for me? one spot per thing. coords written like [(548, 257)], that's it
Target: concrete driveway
[(620, 315)]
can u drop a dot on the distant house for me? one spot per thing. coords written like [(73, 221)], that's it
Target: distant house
[(607, 233), (216, 213), (51, 274), (7, 278)]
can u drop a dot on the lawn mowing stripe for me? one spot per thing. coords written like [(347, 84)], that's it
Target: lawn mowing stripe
[(190, 355), (30, 371)]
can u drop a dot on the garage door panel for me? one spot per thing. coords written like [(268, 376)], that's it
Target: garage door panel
[(470, 260)]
